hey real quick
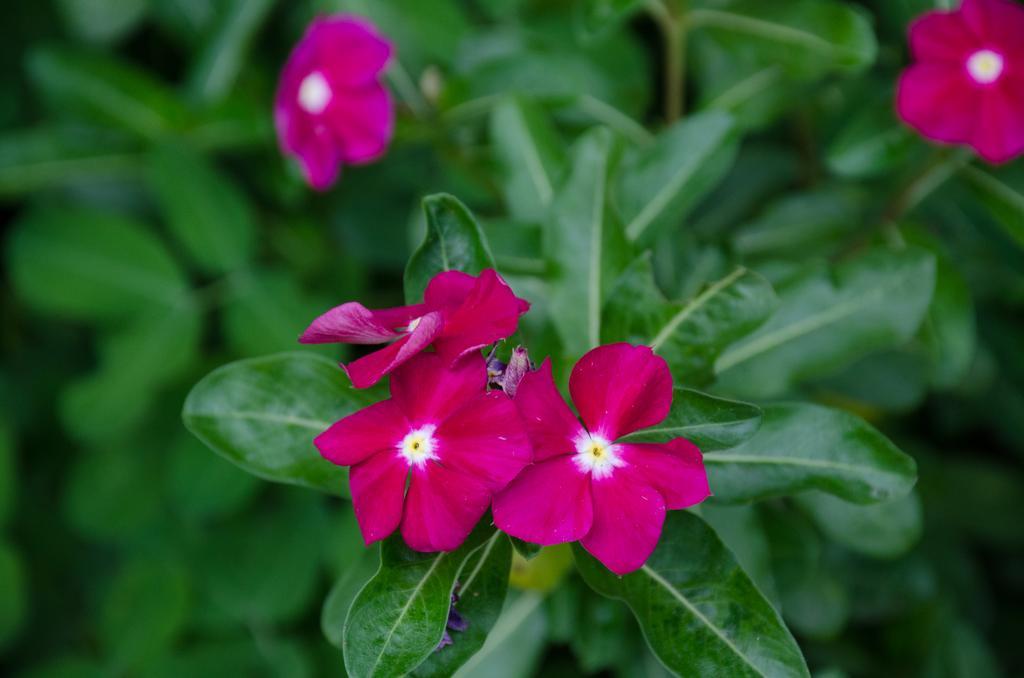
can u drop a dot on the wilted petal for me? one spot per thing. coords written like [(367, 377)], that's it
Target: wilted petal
[(428, 390), (628, 516), (550, 424), (620, 388), (353, 323), (372, 429), (448, 289), (485, 439), (441, 508), (548, 503), (369, 369), (378, 492), (675, 469)]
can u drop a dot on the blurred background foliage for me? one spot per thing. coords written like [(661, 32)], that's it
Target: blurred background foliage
[(154, 232)]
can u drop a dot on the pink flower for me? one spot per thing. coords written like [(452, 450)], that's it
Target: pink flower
[(330, 107), (583, 485), (460, 313), (442, 435), (967, 85)]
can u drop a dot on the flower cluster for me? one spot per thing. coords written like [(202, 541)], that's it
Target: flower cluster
[(461, 435)]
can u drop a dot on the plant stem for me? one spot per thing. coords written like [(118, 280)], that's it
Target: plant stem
[(670, 20)]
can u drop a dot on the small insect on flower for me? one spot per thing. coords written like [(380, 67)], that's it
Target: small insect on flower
[(331, 107), (585, 483), (967, 83), (430, 458), (460, 313)]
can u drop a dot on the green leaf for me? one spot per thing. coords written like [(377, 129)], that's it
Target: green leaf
[(828, 319), (262, 414), (423, 33), (515, 645), (202, 486), (481, 587), (397, 620), (600, 637), (105, 90), (884, 530), (8, 471), (263, 570), (601, 16), (345, 589), (689, 335), (813, 221), (109, 494), (454, 242), (144, 611), (204, 210), (13, 593), (871, 142), (660, 183), (710, 423), (807, 38), (226, 50), (948, 332), (530, 156), (1002, 195), (813, 600), (135, 362), (90, 264), (741, 530), (103, 21), (267, 312), (34, 159), (585, 243), (801, 447), (686, 597)]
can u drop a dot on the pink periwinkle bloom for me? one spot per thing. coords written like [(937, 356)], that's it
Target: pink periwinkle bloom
[(331, 107), (430, 458), (585, 483), (967, 83), (460, 313)]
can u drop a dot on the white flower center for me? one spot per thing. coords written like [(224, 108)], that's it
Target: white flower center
[(596, 455), (314, 93), (985, 66), (417, 447)]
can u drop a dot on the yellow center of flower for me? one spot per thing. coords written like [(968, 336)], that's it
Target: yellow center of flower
[(985, 66), (314, 93), (418, 446), (597, 455)]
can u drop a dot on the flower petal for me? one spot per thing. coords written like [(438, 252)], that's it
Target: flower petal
[(941, 36), (349, 49), (362, 121), (628, 516), (675, 469), (447, 290), (937, 100), (485, 439), (548, 503), (488, 313), (550, 424), (377, 485), (428, 390), (312, 145), (373, 429), (353, 323), (620, 388), (442, 508), (998, 23), (999, 135), (369, 369)]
